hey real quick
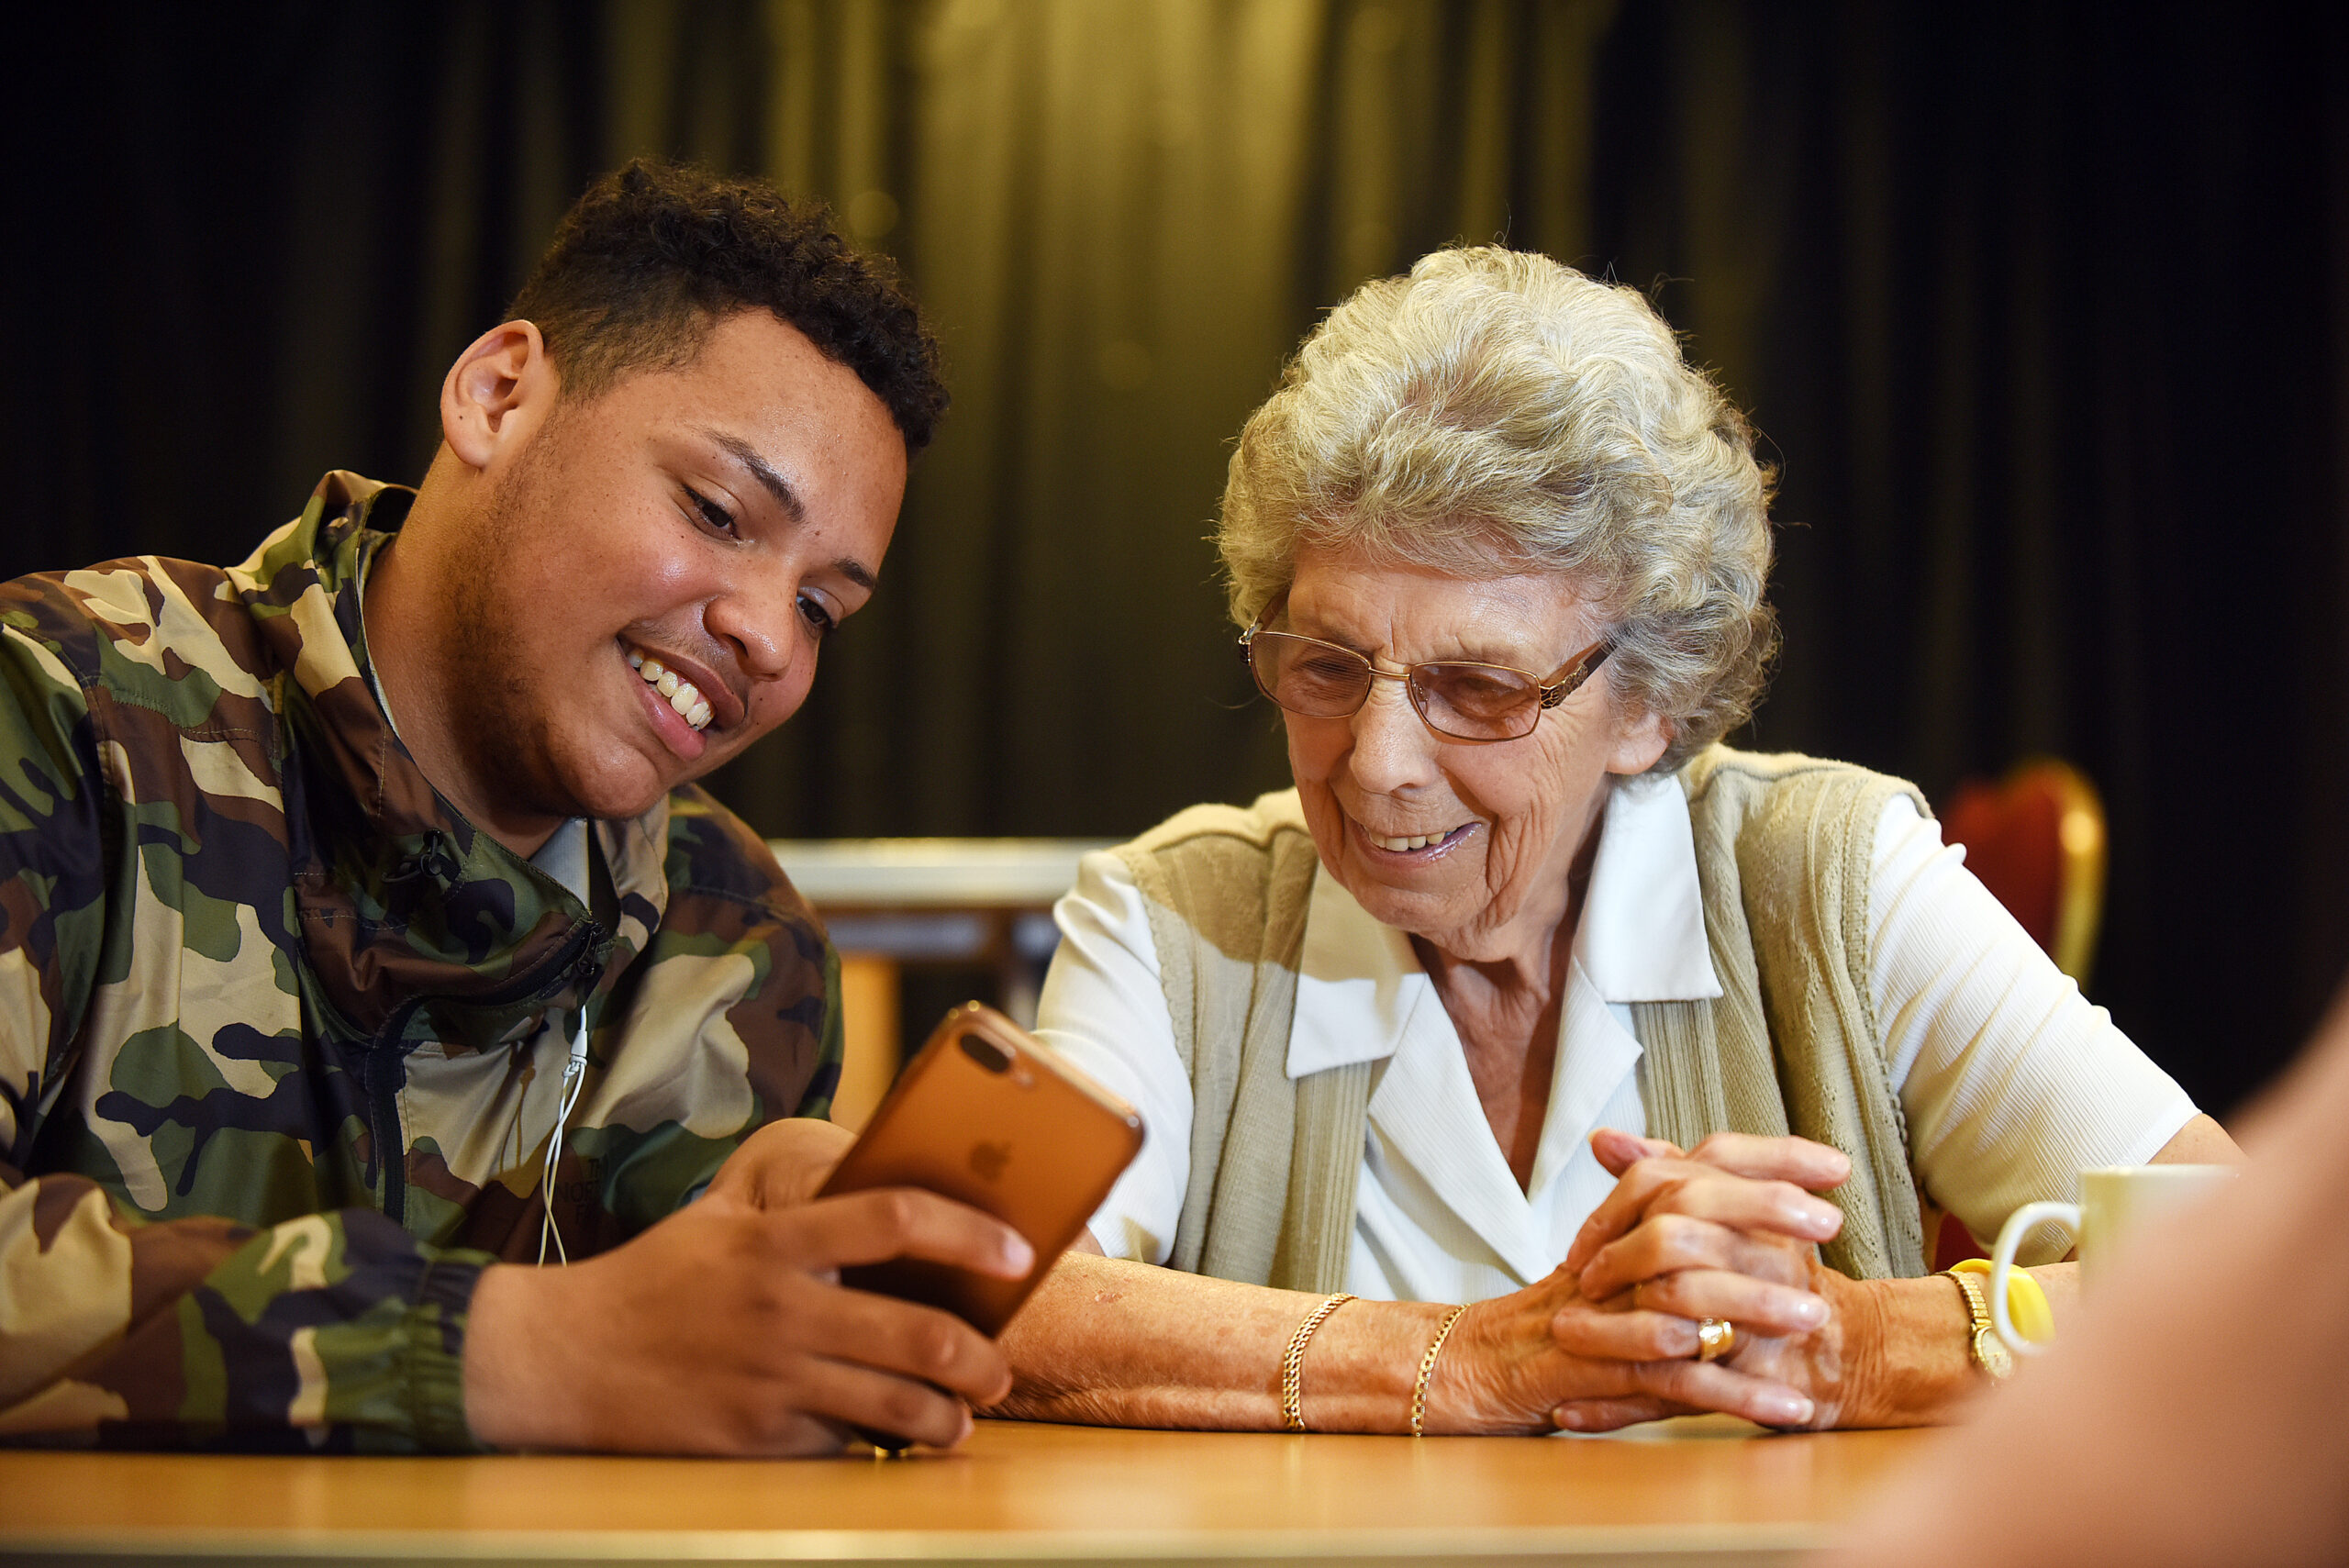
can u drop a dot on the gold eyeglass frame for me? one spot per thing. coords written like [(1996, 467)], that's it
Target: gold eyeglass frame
[(1568, 679)]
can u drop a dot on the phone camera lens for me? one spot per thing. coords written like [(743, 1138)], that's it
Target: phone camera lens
[(986, 1053)]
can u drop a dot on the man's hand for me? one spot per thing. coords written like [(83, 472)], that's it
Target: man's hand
[(723, 1329), (782, 1163)]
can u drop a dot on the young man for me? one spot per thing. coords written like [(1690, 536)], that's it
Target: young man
[(363, 935)]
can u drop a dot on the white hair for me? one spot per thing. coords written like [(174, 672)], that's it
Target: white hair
[(1496, 411)]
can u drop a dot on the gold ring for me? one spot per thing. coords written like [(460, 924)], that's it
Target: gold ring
[(1716, 1337)]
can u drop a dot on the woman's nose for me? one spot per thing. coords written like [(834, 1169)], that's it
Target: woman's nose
[(1391, 748)]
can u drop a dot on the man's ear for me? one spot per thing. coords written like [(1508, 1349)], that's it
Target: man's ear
[(497, 393)]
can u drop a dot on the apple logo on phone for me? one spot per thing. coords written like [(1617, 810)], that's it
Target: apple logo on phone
[(990, 1159)]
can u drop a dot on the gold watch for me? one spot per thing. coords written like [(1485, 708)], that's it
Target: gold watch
[(1990, 1352)]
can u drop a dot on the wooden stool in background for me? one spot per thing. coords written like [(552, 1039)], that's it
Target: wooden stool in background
[(869, 1058), (2036, 840), (892, 904)]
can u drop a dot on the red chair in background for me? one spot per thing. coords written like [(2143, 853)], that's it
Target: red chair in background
[(2035, 840)]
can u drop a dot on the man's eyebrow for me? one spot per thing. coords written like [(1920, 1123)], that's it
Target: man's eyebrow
[(776, 485), (773, 484)]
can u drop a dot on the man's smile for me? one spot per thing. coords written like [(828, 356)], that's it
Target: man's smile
[(687, 703), (681, 695)]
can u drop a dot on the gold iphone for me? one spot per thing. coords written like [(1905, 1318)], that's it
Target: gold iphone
[(986, 1116)]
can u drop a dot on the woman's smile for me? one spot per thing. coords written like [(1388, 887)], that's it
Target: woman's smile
[(1414, 847)]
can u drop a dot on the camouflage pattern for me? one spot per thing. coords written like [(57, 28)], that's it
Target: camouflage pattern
[(247, 954)]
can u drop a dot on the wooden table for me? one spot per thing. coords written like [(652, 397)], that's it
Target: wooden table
[(1712, 1491)]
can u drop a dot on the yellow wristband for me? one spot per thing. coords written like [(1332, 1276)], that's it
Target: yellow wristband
[(2026, 1303)]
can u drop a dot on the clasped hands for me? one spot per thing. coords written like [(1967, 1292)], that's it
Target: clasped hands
[(1728, 1229)]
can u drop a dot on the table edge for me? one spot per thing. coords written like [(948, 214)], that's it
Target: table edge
[(1724, 1544)]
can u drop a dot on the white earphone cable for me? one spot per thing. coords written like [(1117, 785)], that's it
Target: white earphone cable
[(574, 1075)]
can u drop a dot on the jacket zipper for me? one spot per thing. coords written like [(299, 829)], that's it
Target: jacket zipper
[(385, 1071)]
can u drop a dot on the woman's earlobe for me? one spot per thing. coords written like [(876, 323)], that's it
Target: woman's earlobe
[(1640, 743)]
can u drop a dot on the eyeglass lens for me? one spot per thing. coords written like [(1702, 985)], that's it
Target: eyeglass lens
[(1321, 680)]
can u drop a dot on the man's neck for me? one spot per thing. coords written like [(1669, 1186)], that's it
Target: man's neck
[(401, 630)]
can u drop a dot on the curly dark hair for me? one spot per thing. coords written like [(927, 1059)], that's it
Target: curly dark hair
[(656, 254)]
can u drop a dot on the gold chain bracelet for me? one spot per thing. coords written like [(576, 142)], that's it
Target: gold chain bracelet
[(1427, 1371), (1293, 1362)]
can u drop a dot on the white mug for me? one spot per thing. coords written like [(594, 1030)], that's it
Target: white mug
[(2115, 1201)]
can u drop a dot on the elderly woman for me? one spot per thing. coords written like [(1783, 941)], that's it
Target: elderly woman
[(1420, 1042)]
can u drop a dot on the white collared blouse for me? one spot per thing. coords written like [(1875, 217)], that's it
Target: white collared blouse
[(2011, 1082)]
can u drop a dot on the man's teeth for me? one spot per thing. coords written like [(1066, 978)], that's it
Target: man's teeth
[(680, 694), (1419, 842)]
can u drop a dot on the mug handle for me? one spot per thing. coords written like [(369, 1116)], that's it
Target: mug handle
[(2002, 1263)]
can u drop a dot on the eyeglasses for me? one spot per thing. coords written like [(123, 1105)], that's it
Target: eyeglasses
[(1458, 699)]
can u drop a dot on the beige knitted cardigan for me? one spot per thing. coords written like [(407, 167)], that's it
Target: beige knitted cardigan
[(1783, 848)]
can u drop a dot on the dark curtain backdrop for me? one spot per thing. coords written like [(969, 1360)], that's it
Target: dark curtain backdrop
[(2041, 309)]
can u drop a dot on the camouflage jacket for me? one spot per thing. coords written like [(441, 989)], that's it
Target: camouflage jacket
[(273, 1080)]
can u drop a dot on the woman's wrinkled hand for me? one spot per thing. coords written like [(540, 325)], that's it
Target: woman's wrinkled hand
[(1547, 1356), (1762, 1186), (1731, 1230)]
